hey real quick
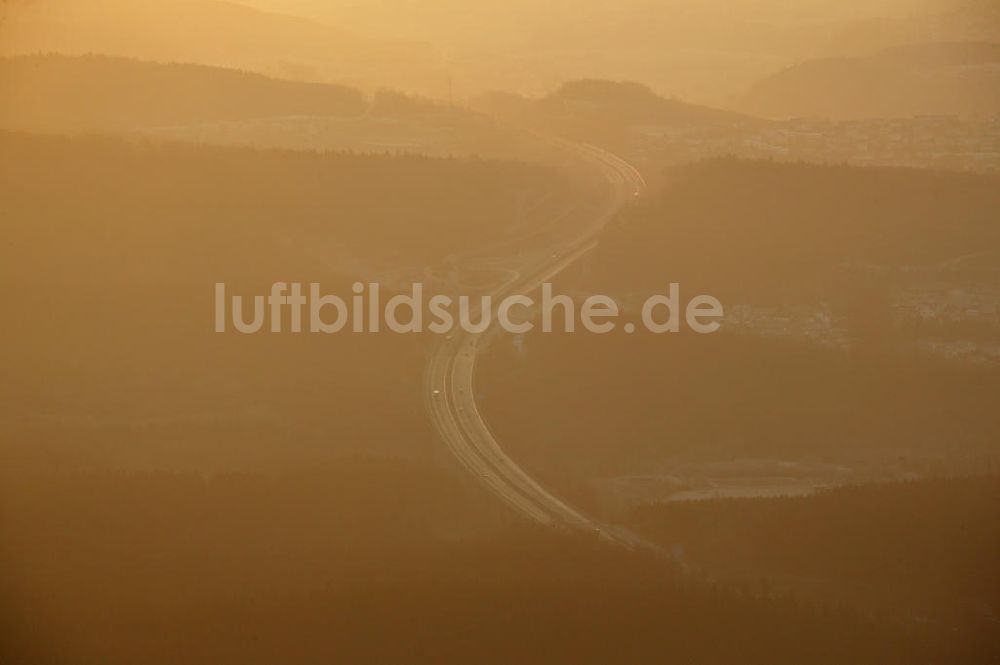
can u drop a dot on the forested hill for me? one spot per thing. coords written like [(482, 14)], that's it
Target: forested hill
[(57, 92), (606, 112), (213, 32), (918, 79), (633, 103)]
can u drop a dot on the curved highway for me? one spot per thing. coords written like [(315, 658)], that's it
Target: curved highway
[(449, 386)]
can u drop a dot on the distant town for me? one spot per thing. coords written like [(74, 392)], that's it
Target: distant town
[(937, 142)]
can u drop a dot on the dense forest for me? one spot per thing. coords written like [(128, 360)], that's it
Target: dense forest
[(770, 233), (323, 564), (417, 210), (923, 550), (124, 243), (576, 406), (837, 368)]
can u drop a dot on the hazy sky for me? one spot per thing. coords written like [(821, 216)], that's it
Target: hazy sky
[(707, 51)]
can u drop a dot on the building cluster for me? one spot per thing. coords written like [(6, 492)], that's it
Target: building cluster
[(942, 142)]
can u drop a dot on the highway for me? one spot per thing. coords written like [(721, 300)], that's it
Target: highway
[(450, 373)]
